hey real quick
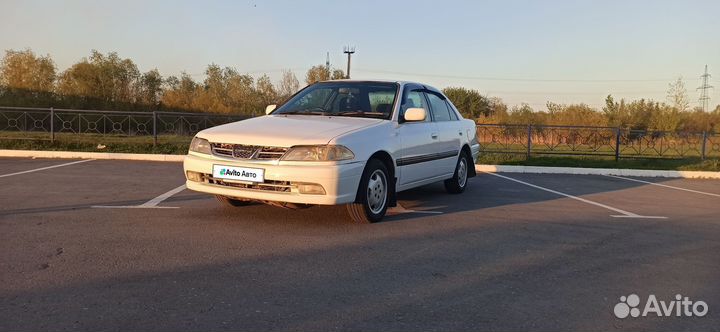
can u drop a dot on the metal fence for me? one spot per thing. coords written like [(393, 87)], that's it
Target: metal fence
[(495, 138), (53, 121), (596, 141)]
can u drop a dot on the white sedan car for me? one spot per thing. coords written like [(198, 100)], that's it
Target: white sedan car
[(338, 142)]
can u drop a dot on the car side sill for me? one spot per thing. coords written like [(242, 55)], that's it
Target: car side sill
[(423, 182)]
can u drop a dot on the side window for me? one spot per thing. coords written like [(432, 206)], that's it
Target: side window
[(439, 108), (453, 114), (412, 99)]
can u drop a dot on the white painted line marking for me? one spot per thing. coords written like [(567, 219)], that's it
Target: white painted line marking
[(638, 216), (151, 204), (48, 167), (132, 207), (399, 209), (624, 214), (157, 200), (664, 185)]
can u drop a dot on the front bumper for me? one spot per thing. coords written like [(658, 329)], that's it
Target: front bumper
[(340, 181)]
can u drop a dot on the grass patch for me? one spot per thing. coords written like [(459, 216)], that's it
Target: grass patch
[(167, 144), (687, 164)]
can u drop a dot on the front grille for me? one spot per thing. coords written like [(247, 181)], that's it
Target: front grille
[(240, 151), (268, 152), (268, 185)]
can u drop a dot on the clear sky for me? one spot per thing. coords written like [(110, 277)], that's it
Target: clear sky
[(521, 51)]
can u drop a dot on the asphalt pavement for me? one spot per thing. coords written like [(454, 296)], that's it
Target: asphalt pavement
[(89, 246)]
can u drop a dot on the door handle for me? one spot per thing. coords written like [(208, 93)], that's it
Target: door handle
[(434, 135)]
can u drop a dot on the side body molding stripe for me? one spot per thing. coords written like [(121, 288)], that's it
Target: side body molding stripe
[(426, 157)]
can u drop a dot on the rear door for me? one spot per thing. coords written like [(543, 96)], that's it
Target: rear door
[(419, 140), (450, 134)]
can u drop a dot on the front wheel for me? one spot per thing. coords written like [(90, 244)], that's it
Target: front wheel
[(371, 203), (458, 182)]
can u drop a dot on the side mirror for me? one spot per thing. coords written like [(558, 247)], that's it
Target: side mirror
[(415, 114), (270, 108)]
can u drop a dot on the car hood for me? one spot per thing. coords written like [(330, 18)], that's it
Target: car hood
[(285, 130)]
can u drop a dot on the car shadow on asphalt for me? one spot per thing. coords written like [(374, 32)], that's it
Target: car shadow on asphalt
[(487, 191), (483, 192)]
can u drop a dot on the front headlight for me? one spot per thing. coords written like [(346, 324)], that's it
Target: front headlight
[(318, 153), (200, 145)]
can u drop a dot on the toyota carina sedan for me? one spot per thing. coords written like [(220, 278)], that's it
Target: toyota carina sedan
[(349, 142)]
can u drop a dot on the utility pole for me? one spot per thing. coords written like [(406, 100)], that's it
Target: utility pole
[(327, 62), (349, 51), (704, 97)]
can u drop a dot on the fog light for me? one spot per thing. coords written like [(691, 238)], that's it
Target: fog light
[(311, 189), (194, 176)]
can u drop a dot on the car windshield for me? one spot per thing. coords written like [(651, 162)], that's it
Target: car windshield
[(356, 99)]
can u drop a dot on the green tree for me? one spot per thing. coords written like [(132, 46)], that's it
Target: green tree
[(470, 103), (498, 109), (266, 91), (26, 79), (677, 95), (698, 120), (640, 113), (337, 74), (322, 73), (180, 93), (289, 84), (524, 114), (243, 98), (215, 97), (573, 114), (100, 81), (151, 88), (665, 117), (615, 112)]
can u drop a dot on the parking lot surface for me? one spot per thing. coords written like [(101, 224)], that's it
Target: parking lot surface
[(118, 245)]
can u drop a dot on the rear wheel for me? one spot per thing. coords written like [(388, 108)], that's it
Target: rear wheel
[(458, 182), (227, 201), (372, 200)]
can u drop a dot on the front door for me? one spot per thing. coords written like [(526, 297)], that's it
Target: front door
[(420, 141)]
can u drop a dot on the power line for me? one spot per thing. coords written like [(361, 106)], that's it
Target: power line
[(483, 78), (704, 97)]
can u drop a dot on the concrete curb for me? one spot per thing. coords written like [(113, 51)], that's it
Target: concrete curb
[(91, 155), (597, 171), (479, 168)]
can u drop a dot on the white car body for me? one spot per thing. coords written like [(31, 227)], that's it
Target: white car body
[(416, 153)]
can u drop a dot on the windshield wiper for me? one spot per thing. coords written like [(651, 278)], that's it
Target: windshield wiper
[(361, 114), (309, 111)]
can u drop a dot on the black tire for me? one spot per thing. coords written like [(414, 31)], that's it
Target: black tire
[(372, 202), (458, 182), (227, 201)]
